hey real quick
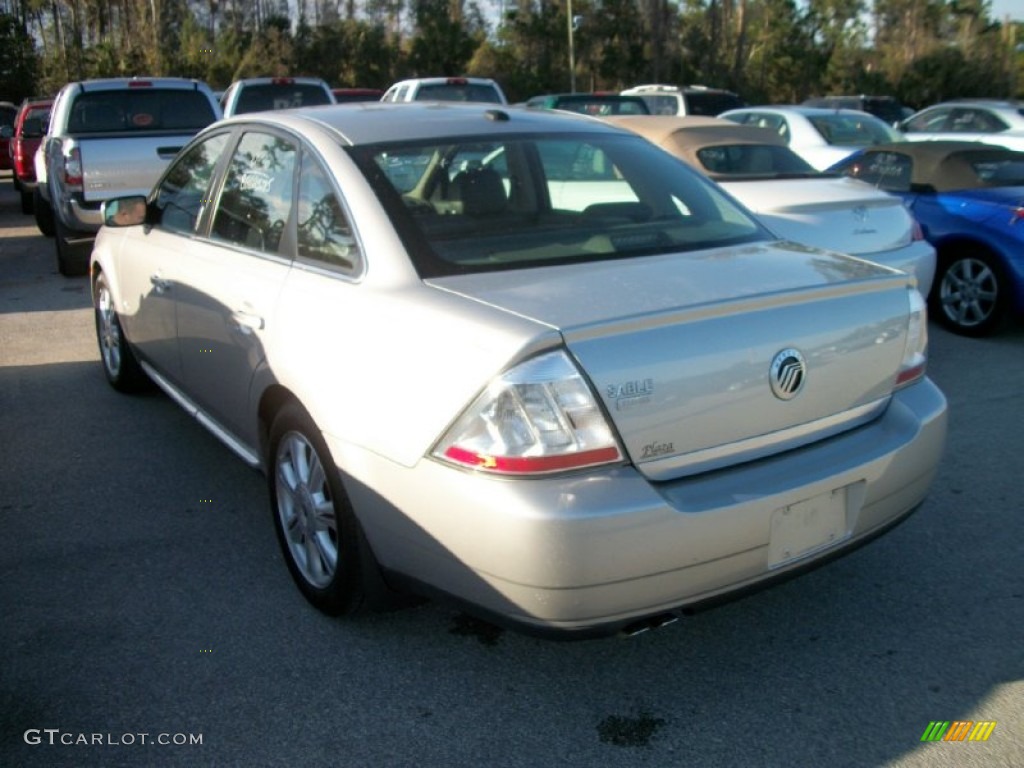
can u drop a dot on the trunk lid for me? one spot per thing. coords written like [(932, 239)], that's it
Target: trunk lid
[(839, 214), (681, 348), (121, 166)]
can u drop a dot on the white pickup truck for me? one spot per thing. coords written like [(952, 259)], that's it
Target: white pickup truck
[(107, 139)]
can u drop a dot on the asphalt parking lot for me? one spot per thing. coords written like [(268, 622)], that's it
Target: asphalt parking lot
[(148, 618)]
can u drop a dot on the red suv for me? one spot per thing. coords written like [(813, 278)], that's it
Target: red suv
[(29, 129)]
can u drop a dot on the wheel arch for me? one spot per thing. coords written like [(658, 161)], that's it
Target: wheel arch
[(273, 399)]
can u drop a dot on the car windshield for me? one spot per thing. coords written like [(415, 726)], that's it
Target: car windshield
[(854, 130), (475, 205), (753, 160)]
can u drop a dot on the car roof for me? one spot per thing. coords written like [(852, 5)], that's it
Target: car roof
[(373, 122), (117, 83), (945, 165), (693, 132), (443, 79), (285, 80), (800, 109), (687, 136), (662, 88)]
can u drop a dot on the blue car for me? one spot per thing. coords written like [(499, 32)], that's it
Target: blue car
[(969, 199)]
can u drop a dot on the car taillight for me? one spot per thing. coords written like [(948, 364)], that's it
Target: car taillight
[(456, 81), (73, 168), (282, 80), (916, 233), (537, 417), (140, 84), (915, 354)]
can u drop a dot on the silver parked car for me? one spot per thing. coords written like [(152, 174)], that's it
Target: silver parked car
[(987, 120), (520, 358)]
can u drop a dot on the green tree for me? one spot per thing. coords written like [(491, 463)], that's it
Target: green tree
[(18, 61)]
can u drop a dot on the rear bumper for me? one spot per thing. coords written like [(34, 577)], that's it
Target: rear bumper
[(917, 259), (80, 217), (592, 553)]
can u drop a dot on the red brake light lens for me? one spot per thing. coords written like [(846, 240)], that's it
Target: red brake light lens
[(536, 418)]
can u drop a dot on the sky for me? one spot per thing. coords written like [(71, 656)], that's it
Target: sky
[(1013, 8)]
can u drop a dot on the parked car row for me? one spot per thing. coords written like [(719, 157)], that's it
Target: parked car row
[(655, 382)]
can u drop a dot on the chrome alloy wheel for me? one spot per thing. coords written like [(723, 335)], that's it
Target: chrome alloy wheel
[(109, 330), (969, 292), (306, 509)]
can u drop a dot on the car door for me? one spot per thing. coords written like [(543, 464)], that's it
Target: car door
[(151, 257), (234, 278)]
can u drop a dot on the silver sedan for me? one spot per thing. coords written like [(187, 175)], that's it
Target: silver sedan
[(517, 358)]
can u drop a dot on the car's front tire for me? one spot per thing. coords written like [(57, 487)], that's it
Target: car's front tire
[(969, 296), (120, 366), (316, 527)]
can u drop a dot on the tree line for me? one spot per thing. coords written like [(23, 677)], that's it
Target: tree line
[(768, 51)]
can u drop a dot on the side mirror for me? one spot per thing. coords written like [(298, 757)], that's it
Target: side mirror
[(6, 131), (124, 211)]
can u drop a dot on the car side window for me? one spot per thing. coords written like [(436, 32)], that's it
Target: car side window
[(325, 236), (928, 122), (975, 121), (185, 188), (256, 202), (773, 123)]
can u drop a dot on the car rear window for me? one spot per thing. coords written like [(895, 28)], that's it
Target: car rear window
[(854, 130), (271, 96), (138, 110), (603, 106), (458, 92), (711, 103), (40, 120), (482, 204), (752, 160)]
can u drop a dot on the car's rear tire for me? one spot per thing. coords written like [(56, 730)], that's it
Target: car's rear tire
[(43, 213), (26, 202), (319, 534), (120, 365), (970, 292), (72, 258)]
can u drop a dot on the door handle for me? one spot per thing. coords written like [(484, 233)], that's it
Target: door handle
[(247, 322)]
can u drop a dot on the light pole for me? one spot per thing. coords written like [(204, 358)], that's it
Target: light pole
[(571, 25)]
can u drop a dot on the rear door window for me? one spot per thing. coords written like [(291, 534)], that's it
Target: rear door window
[(256, 200)]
